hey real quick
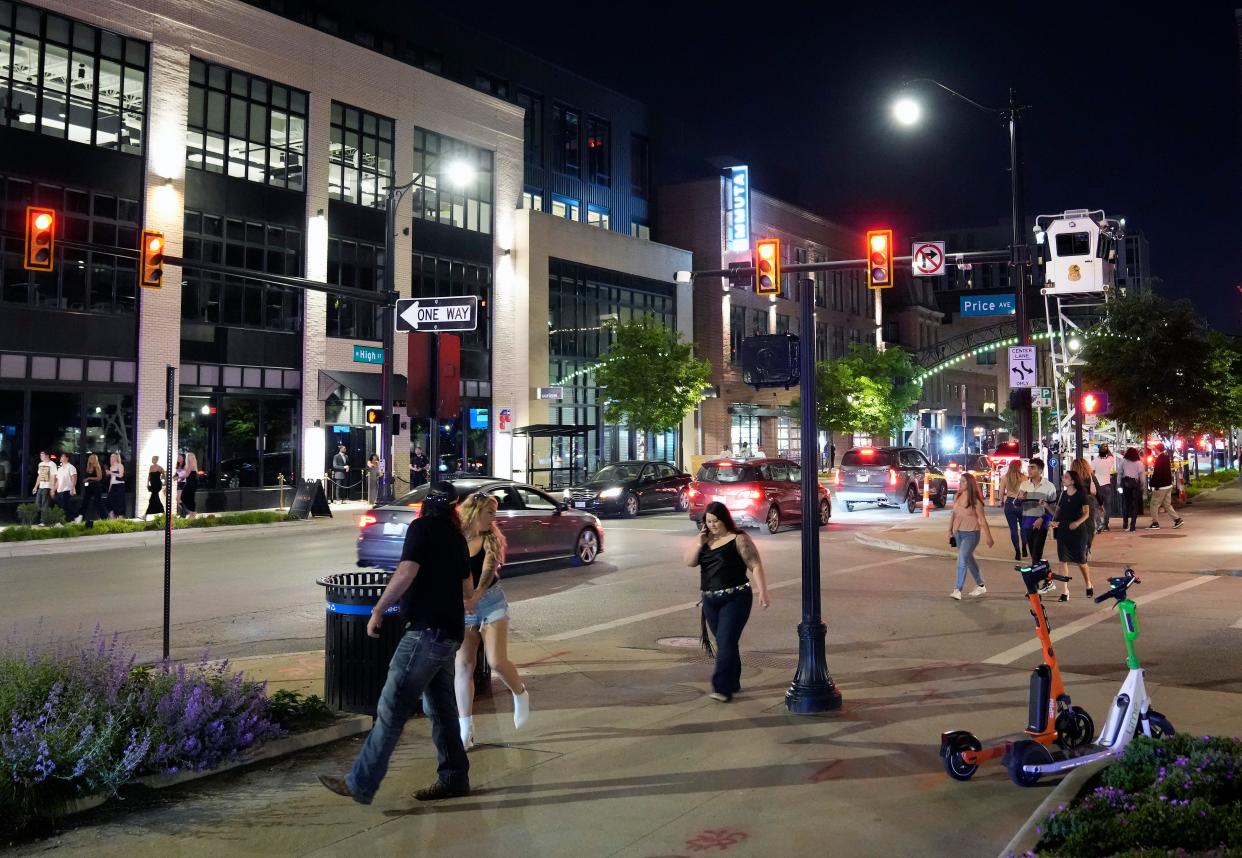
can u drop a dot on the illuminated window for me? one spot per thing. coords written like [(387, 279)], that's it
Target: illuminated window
[(638, 229), (359, 156), (565, 207), (532, 200), (598, 216), (599, 151), (452, 182)]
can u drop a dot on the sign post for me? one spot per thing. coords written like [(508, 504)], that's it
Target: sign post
[(170, 477)]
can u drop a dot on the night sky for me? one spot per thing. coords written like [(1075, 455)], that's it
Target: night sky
[(1135, 112)]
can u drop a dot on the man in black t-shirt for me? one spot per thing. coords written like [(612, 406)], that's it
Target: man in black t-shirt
[(432, 583)]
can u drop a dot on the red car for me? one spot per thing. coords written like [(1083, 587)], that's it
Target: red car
[(758, 492)]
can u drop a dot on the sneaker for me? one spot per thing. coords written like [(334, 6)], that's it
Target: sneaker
[(956, 594), (979, 591), (720, 698), (440, 790), (1178, 524), (1132, 528), (1090, 592), (340, 787), (1046, 587), (1064, 597), (1153, 526)]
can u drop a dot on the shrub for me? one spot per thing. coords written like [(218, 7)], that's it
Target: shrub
[(53, 515), (28, 513), (295, 712)]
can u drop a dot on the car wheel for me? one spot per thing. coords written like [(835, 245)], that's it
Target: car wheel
[(941, 498), (586, 549), (912, 499), (629, 507), (849, 506), (683, 501), (825, 512), (774, 520)]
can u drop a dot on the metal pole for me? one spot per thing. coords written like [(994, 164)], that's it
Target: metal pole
[(170, 474), (1078, 414), (812, 689), (433, 422), (389, 325), (1017, 261)]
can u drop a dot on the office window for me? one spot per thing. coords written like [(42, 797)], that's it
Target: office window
[(358, 265), (85, 281), (69, 80), (230, 300), (565, 122), (532, 126), (532, 200), (640, 166), (565, 207), (782, 323), (452, 182), (737, 332), (639, 229), (247, 126), (359, 156), (491, 85), (821, 342), (599, 151), (598, 216), (435, 276), (986, 358)]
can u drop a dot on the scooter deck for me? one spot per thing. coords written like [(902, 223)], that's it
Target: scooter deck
[(1000, 747)]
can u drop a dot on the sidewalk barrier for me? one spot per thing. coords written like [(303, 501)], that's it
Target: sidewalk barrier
[(926, 496), (355, 665), (994, 500)]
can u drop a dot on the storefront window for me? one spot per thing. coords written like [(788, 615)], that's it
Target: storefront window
[(109, 428), (196, 433), (11, 419), (279, 444)]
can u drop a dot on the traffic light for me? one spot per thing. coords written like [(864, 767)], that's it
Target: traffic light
[(1093, 402), (375, 416), (879, 258), (768, 266), (40, 239), (152, 259)]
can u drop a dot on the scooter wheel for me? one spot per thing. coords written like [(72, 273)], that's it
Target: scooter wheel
[(954, 766), (1159, 725), (1027, 753), (1074, 728)]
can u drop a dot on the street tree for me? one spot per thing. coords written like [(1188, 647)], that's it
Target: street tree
[(651, 379), (867, 391)]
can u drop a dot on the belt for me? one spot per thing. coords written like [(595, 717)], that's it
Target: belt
[(739, 588)]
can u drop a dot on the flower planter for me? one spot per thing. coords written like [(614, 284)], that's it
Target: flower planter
[(1062, 795)]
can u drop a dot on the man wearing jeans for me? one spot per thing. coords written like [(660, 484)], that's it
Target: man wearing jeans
[(1037, 496), (432, 583), (1104, 467)]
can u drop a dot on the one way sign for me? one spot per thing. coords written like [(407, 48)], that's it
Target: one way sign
[(459, 313)]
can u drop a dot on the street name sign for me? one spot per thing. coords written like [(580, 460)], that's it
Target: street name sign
[(1041, 397), (927, 258), (459, 313), (1022, 366), (368, 354), (987, 305)]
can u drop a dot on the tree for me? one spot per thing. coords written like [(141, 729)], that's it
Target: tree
[(867, 391), (651, 378)]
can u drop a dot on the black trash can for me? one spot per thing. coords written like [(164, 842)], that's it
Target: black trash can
[(355, 665)]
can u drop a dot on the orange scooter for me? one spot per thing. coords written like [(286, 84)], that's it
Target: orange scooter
[(1052, 718)]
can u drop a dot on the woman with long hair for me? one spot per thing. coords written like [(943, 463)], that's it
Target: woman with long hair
[(968, 522), (92, 495), (1070, 530), (1011, 488), (155, 485), (725, 555), (188, 500), (1086, 478), (116, 486), (487, 615), (1131, 472)]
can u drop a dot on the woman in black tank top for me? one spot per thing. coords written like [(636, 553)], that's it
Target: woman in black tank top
[(724, 555)]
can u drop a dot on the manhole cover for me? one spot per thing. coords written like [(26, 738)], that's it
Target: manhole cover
[(680, 643)]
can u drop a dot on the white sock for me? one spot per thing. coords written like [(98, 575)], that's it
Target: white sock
[(466, 725), (521, 708)]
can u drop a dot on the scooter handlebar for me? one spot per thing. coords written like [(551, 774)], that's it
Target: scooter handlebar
[(1120, 586)]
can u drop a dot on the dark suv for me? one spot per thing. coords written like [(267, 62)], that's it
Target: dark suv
[(888, 476)]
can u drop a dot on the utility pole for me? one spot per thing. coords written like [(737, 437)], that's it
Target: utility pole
[(1017, 260)]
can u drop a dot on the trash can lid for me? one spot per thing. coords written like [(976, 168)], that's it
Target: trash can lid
[(369, 583)]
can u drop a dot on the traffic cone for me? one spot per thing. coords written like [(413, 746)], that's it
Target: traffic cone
[(926, 496)]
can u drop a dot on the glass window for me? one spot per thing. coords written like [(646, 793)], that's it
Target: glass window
[(245, 126), (565, 128), (565, 207), (12, 411), (92, 88), (599, 151), (452, 182), (532, 126), (737, 332), (1074, 244), (491, 84), (360, 164), (640, 167), (533, 499), (598, 216), (532, 200), (639, 229), (357, 265), (440, 277)]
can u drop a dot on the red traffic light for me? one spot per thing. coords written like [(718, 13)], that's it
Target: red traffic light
[(152, 248), (880, 258), (1093, 402), (42, 220), (40, 239), (768, 266)]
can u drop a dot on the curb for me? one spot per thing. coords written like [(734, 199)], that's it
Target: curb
[(352, 725), (1063, 793)]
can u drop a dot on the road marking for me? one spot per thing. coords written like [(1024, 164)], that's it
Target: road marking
[(672, 609), (1014, 653)]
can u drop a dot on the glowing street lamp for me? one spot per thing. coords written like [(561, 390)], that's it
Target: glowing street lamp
[(907, 111)]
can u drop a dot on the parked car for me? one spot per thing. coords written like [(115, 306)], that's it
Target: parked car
[(888, 476), (628, 488), (1006, 452), (758, 492), (960, 463), (536, 526)]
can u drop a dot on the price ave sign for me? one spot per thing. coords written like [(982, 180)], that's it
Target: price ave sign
[(438, 314)]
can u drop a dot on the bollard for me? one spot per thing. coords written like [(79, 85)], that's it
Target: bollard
[(995, 499), (926, 496)]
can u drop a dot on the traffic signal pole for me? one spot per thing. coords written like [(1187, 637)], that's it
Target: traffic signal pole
[(1017, 260), (384, 490)]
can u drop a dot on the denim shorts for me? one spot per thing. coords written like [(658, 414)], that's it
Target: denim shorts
[(492, 608)]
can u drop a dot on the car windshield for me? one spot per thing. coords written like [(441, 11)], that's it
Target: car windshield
[(866, 457), (727, 472), (617, 473)]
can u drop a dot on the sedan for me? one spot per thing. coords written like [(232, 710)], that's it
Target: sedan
[(536, 527), (628, 488), (965, 463)]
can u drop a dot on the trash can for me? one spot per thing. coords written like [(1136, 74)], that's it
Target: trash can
[(355, 665)]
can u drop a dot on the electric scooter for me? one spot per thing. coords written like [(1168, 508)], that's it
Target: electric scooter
[(1052, 719), (1131, 711)]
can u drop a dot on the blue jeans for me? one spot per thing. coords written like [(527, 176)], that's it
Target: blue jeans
[(421, 666), (1013, 517), (726, 616), (967, 542)]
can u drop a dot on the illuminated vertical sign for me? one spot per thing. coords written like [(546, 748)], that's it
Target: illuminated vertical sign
[(739, 208)]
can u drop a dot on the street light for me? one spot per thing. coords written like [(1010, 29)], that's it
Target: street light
[(907, 112)]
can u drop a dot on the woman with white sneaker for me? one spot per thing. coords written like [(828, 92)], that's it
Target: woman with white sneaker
[(967, 524), (487, 615)]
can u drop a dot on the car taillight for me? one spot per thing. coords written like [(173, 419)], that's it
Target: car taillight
[(892, 476), (693, 492), (366, 520), (750, 494)]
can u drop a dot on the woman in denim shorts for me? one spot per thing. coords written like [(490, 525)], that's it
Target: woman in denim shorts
[(487, 615)]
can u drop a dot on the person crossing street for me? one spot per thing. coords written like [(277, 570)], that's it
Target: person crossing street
[(1162, 490)]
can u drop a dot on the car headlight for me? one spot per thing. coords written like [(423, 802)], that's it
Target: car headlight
[(608, 494), (567, 495)]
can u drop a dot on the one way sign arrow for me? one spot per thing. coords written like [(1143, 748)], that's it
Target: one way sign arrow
[(459, 313)]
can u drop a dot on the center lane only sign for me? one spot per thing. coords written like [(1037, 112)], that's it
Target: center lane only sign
[(460, 313)]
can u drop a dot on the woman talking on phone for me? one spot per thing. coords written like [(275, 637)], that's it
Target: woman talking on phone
[(725, 555)]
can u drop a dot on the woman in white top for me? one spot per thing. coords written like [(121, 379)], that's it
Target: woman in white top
[(116, 486), (1131, 472)]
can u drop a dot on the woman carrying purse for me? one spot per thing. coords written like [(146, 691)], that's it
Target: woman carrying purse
[(967, 524)]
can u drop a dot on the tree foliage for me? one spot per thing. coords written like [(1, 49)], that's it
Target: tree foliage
[(651, 378), (867, 391)]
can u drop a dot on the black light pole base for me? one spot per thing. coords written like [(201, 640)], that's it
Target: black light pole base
[(812, 689)]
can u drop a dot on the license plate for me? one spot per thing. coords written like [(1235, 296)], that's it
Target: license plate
[(863, 477), (393, 528), (579, 504)]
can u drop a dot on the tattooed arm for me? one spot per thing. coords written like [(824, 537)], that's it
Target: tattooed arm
[(491, 565), (750, 555)]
